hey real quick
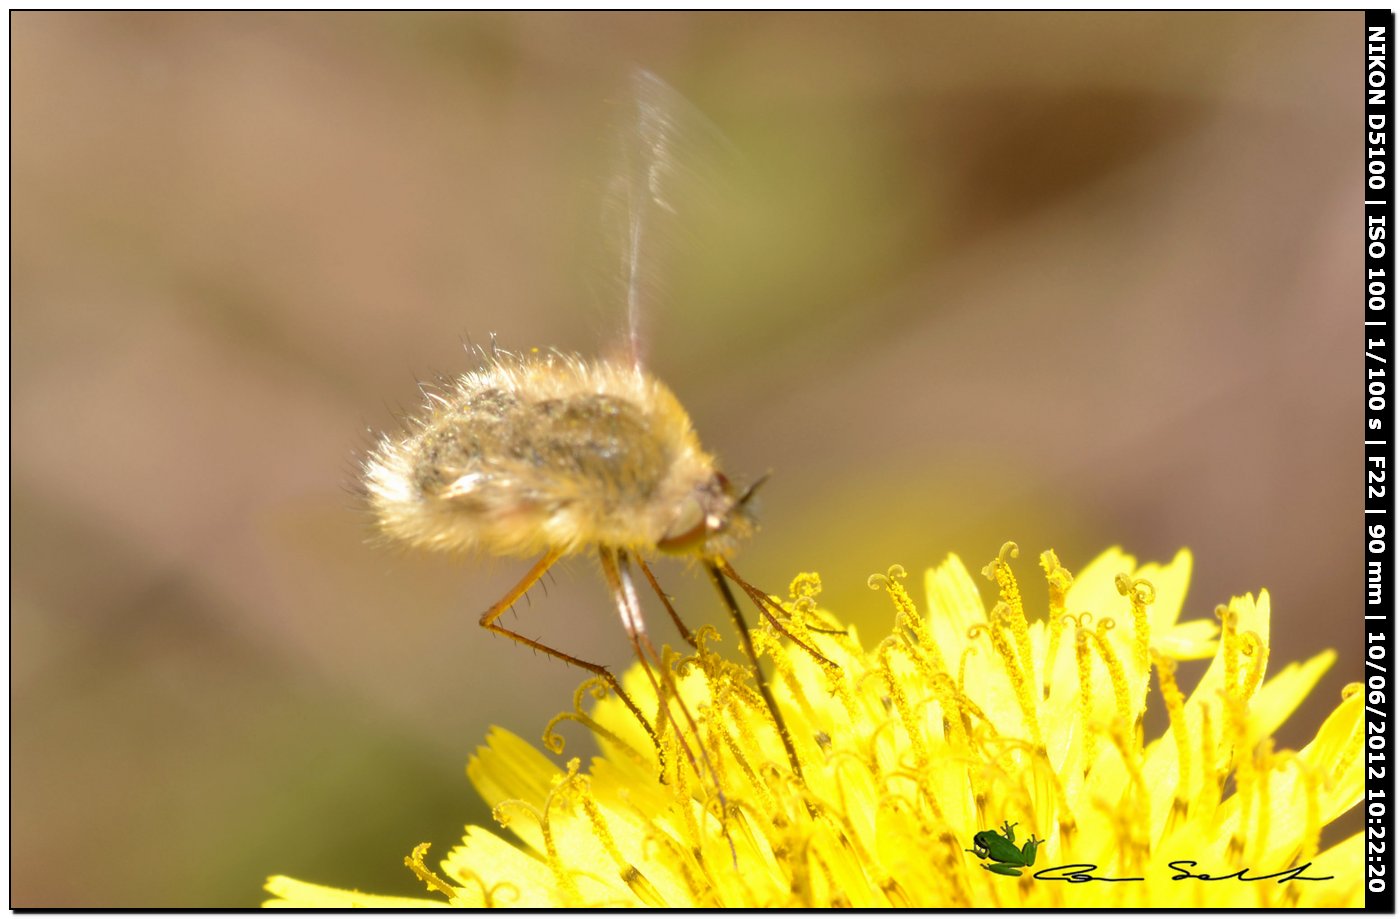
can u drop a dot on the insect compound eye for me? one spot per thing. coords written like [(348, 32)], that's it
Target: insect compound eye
[(688, 530)]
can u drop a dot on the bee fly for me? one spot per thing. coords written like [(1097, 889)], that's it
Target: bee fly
[(551, 455)]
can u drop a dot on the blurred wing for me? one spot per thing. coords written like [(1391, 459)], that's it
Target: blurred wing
[(668, 161)]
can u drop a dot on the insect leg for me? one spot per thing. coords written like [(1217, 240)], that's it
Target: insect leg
[(618, 575), (764, 603), (488, 621), (624, 595), (628, 595), (717, 575), (666, 602)]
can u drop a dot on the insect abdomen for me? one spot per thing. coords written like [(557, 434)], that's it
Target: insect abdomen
[(531, 455)]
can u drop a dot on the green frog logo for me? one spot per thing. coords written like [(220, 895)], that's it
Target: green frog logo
[(1000, 849)]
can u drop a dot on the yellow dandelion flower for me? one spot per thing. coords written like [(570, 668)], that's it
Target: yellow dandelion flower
[(968, 739)]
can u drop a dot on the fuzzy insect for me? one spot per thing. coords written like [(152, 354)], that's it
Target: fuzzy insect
[(548, 454)]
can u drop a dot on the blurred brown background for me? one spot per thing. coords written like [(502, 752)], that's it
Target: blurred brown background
[(1072, 280)]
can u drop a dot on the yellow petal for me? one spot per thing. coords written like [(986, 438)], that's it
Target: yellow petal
[(1337, 752), (1347, 889), (1095, 587), (1188, 641), (1281, 695), (509, 769), (954, 603), (499, 874)]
